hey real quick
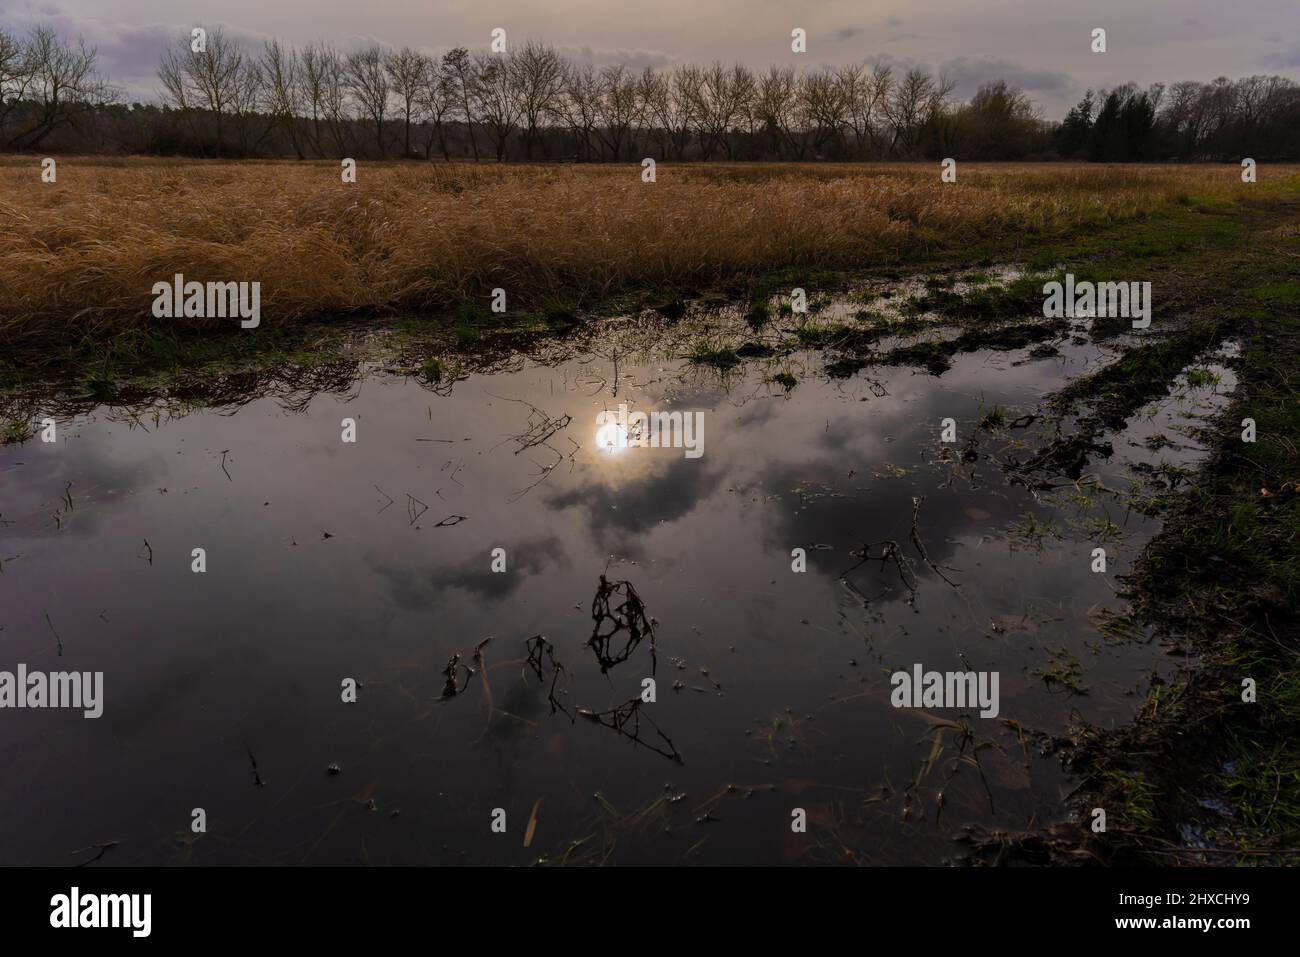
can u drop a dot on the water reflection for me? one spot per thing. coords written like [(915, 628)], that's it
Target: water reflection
[(377, 561)]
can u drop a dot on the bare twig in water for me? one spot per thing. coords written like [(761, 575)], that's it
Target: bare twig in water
[(146, 552), (544, 471), (626, 721), (537, 647), (482, 669), (54, 633), (478, 651), (103, 847), (968, 737), (451, 687), (541, 428), (629, 616), (889, 552), (223, 464), (916, 540), (257, 777)]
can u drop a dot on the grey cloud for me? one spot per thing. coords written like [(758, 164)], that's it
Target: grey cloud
[(970, 73), (412, 589), (1282, 61), (633, 59), (899, 64)]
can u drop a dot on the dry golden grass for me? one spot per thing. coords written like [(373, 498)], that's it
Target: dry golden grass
[(79, 258)]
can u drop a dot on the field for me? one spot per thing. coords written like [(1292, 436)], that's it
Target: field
[(1122, 688), (79, 257)]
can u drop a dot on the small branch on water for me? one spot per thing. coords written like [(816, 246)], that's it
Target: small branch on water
[(54, 633), (916, 540), (257, 777), (629, 615), (537, 647), (626, 721)]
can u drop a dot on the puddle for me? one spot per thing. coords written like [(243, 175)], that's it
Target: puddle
[(373, 561)]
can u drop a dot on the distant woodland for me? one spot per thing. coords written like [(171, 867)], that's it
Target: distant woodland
[(533, 104)]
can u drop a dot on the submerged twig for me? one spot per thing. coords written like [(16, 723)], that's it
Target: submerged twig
[(452, 687), (889, 552), (916, 540), (629, 616), (542, 427), (257, 777), (626, 721), (54, 633), (103, 847), (537, 647), (412, 511)]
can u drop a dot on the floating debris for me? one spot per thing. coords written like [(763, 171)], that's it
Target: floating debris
[(628, 616)]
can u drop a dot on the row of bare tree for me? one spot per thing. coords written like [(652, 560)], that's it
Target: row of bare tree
[(316, 96), (532, 103)]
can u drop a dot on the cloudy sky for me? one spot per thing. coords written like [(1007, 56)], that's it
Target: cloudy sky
[(1040, 45)]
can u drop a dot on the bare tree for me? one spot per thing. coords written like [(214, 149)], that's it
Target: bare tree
[(334, 71), (283, 90), (407, 70), (777, 104), (580, 104), (496, 100), (62, 83), (16, 75), (245, 96), (367, 82), (437, 102), (688, 94), (655, 93), (617, 107), (458, 71), (537, 72), (824, 108), (721, 98), (311, 90), (203, 80), (915, 98), (879, 89)]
